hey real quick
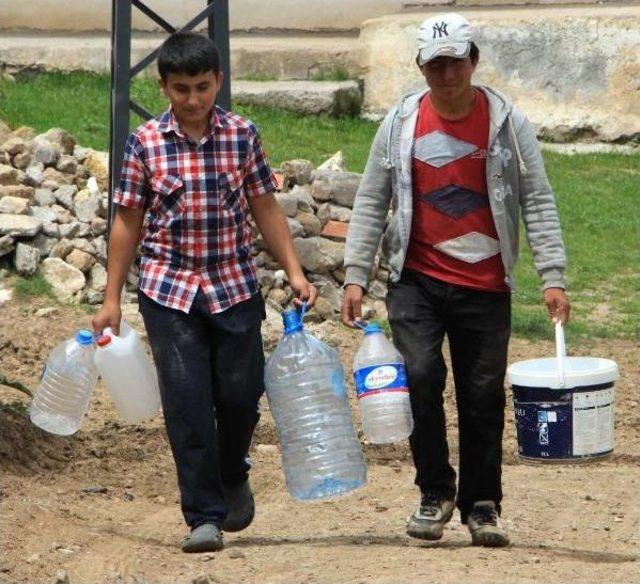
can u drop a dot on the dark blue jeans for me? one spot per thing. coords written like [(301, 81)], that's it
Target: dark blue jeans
[(210, 371), (478, 325)]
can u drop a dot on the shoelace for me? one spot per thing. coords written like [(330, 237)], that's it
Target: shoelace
[(485, 515), (430, 505)]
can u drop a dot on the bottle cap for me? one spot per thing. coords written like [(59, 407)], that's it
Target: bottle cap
[(292, 320), (374, 327), (84, 337), (103, 341)]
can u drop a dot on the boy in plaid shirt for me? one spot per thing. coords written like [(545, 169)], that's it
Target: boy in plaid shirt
[(197, 172)]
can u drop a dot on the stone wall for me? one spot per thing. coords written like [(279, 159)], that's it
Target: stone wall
[(53, 210), (574, 71)]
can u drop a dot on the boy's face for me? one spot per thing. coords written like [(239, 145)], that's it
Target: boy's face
[(192, 96), (447, 77)]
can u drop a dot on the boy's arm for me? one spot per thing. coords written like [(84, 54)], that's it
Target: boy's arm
[(540, 216), (131, 202), (123, 241), (367, 223), (275, 231)]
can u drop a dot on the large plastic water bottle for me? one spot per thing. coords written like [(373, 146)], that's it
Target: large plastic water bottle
[(129, 374), (382, 389), (321, 454), (62, 398)]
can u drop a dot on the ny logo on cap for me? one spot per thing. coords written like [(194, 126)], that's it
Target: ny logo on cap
[(440, 30)]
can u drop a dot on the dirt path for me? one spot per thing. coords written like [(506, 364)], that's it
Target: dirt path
[(103, 505)]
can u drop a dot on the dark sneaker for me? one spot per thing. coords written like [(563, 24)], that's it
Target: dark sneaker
[(241, 507), (204, 538), (429, 520), (485, 525)]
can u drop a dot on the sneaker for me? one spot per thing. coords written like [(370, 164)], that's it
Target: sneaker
[(204, 538), (429, 520), (242, 508), (485, 525)]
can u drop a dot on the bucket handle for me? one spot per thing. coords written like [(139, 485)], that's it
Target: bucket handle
[(561, 353)]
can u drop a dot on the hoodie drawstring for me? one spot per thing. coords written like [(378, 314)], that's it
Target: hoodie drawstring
[(512, 130)]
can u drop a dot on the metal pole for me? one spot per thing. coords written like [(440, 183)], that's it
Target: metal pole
[(120, 79), (219, 33)]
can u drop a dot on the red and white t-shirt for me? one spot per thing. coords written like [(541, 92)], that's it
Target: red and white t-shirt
[(453, 236)]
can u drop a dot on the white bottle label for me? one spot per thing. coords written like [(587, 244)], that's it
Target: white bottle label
[(381, 378)]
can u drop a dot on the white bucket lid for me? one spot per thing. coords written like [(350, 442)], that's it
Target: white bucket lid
[(562, 372), (578, 372)]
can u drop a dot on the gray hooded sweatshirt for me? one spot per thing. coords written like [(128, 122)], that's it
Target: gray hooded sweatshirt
[(516, 184)]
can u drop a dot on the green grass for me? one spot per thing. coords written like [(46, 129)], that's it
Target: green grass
[(600, 213), (25, 288), (79, 102), (597, 194)]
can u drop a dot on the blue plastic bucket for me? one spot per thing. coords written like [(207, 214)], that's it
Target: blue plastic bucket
[(564, 406)]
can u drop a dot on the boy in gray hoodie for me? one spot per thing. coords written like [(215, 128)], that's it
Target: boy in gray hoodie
[(458, 165)]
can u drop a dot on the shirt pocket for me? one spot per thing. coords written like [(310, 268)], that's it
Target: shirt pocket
[(169, 199), (231, 192)]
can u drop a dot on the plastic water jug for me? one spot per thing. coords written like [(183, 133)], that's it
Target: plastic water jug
[(69, 377), (129, 374), (382, 389), (321, 454)]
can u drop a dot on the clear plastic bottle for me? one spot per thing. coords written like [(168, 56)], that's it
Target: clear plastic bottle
[(69, 378), (382, 389), (321, 454), (128, 373)]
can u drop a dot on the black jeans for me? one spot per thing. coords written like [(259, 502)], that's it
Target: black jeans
[(478, 325), (210, 371)]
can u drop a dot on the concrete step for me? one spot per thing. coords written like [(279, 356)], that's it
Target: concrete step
[(305, 97), (253, 56)]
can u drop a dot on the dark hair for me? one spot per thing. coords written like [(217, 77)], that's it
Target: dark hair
[(474, 54), (188, 52)]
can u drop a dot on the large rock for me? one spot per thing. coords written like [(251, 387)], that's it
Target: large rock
[(19, 225), (67, 164), (306, 203), (60, 138), (310, 223), (297, 172), (22, 160), (35, 174), (44, 243), (65, 194), (9, 175), (97, 163), (65, 280), (45, 214), (86, 205), (7, 245), (14, 206), (22, 191), (319, 255), (61, 249), (335, 163), (288, 202), (306, 97), (15, 145), (44, 197), (45, 152), (295, 227), (27, 258), (339, 187), (81, 260), (98, 279), (54, 179)]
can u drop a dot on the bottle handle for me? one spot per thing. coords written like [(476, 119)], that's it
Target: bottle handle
[(303, 310), (561, 353)]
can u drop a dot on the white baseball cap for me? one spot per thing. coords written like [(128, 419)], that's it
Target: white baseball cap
[(444, 35)]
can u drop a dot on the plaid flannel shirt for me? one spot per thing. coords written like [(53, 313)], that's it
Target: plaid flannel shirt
[(197, 232)]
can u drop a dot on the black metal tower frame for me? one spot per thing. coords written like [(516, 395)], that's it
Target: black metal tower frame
[(217, 14)]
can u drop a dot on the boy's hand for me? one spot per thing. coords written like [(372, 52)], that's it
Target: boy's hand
[(558, 304), (304, 291), (108, 316), (352, 304)]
